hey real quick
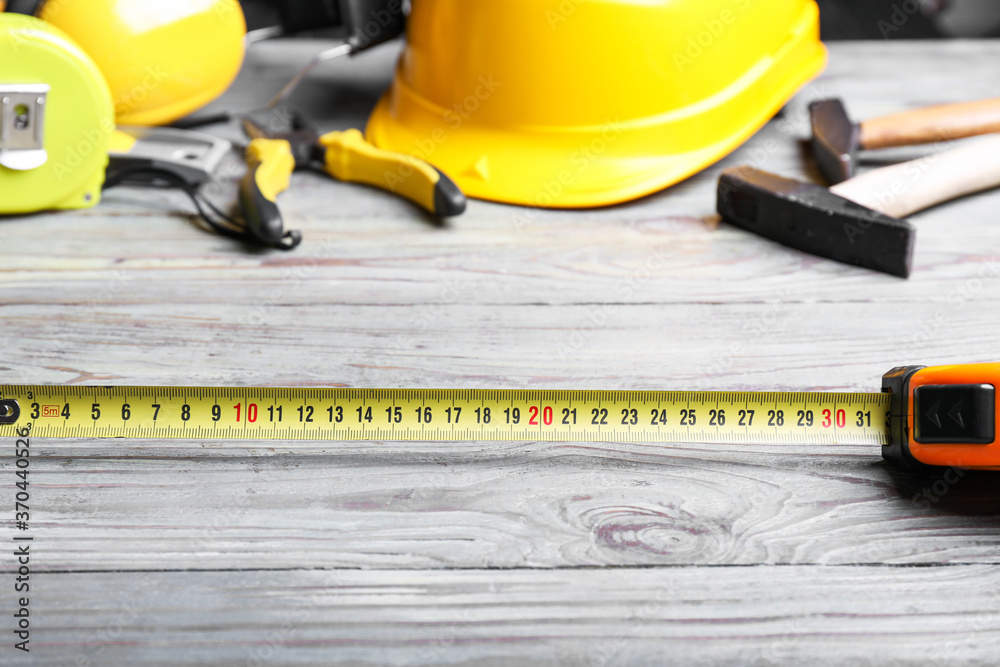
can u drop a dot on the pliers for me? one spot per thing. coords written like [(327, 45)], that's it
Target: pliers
[(273, 156)]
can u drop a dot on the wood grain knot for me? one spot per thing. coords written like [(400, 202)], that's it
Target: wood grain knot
[(664, 531)]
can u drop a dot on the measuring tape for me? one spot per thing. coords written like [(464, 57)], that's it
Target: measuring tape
[(449, 414), (256, 413)]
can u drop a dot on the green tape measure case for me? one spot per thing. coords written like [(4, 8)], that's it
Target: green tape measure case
[(56, 119)]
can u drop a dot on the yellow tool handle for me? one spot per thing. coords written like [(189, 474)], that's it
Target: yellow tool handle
[(268, 413), (270, 164), (121, 142), (349, 157)]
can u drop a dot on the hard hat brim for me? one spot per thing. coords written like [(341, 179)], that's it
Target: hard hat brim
[(616, 161)]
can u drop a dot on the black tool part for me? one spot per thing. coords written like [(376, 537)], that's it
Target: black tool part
[(270, 123), (449, 200), (372, 22), (299, 15), (878, 19), (300, 136), (196, 121), (897, 383), (954, 414), (810, 218), (29, 7), (367, 22), (834, 140), (149, 169)]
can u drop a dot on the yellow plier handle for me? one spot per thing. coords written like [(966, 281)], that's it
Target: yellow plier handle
[(349, 157), (270, 164), (346, 156)]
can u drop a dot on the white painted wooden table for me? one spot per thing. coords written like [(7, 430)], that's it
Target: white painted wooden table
[(525, 553)]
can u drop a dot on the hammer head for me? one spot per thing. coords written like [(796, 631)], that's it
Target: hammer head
[(834, 140), (812, 219)]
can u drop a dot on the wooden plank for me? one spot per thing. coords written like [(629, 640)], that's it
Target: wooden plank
[(685, 616), (491, 505), (630, 259), (773, 344)]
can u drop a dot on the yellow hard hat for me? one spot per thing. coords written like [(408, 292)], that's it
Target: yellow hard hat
[(576, 103), (162, 59)]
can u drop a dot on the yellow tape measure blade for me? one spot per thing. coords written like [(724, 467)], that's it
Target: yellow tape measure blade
[(447, 414)]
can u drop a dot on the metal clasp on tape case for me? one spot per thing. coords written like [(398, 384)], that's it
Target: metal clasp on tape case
[(22, 125)]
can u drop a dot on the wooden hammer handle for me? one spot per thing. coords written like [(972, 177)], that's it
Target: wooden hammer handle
[(931, 124), (906, 188)]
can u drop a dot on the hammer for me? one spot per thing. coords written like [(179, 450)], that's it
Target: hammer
[(836, 140), (859, 221)]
